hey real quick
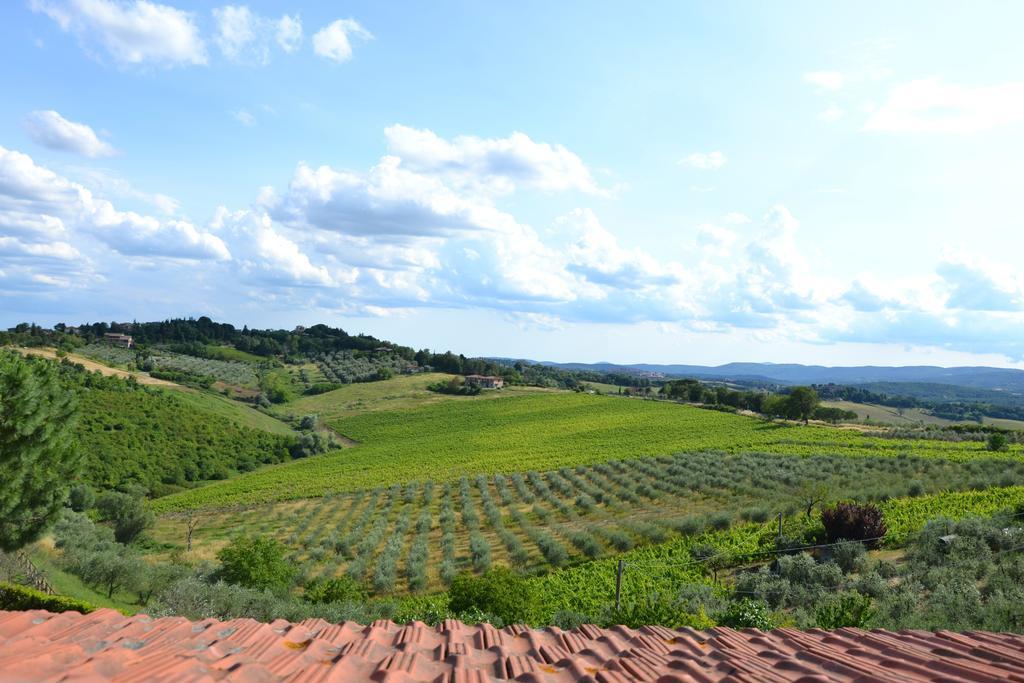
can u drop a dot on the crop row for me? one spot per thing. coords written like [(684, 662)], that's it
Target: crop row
[(538, 432), (540, 521)]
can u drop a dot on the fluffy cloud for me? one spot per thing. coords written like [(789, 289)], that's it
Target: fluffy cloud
[(499, 164), (430, 225), (825, 80), (244, 36), (50, 129), (705, 161), (932, 106), (289, 32), (236, 31), (388, 201), (332, 41), (131, 32), (38, 203)]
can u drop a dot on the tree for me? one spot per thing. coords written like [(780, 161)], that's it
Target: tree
[(127, 512), (801, 402), (82, 497), (996, 442), (38, 458), (256, 562), (812, 493)]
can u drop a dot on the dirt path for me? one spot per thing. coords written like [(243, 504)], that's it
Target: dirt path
[(91, 365)]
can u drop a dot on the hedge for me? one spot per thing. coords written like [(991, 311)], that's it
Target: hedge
[(15, 597)]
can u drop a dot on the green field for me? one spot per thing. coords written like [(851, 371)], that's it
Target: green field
[(450, 438), (242, 413), (398, 394), (911, 417), (539, 521)]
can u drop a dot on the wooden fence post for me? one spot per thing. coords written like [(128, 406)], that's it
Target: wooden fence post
[(618, 583)]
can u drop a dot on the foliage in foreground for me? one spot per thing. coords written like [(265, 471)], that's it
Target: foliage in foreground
[(38, 456), (14, 598)]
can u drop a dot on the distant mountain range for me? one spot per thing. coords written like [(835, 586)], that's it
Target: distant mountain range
[(998, 379)]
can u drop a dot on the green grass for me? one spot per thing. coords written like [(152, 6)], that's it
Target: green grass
[(231, 353), (73, 587), (398, 394), (233, 410), (447, 439)]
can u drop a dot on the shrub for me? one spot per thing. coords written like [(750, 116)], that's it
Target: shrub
[(499, 591), (340, 589), (850, 556), (850, 609), (720, 521), (255, 562), (16, 598), (655, 610), (853, 522), (996, 441), (81, 498), (747, 613)]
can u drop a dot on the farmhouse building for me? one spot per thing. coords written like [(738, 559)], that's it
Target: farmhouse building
[(485, 381), (118, 339)]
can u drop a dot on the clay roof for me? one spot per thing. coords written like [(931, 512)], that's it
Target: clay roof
[(106, 645)]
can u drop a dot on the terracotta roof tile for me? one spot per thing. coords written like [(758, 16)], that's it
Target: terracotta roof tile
[(105, 645)]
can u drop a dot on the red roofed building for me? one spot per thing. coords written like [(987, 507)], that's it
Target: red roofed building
[(485, 381), (106, 645)]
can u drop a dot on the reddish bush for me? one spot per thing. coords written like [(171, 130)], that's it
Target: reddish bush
[(853, 522)]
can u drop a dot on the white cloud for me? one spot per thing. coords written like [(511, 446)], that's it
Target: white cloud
[(246, 37), (236, 32), (41, 204), (50, 129), (716, 239), (825, 80), (932, 106), (498, 164), (332, 41), (244, 117), (131, 32), (705, 161), (289, 32)]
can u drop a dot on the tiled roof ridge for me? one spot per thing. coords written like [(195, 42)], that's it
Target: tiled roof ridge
[(106, 645)]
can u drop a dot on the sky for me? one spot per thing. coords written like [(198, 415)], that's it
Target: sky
[(674, 182)]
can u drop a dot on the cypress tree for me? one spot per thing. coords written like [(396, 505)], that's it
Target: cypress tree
[(38, 458)]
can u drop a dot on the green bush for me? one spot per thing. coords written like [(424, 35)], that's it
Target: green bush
[(747, 613), (996, 441), (499, 591), (850, 609), (340, 589), (255, 562), (850, 556), (14, 597)]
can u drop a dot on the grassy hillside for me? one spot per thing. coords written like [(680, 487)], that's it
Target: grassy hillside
[(165, 439), (242, 413), (911, 416), (447, 439), (396, 394)]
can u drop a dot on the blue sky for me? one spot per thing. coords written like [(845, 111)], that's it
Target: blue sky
[(675, 182)]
